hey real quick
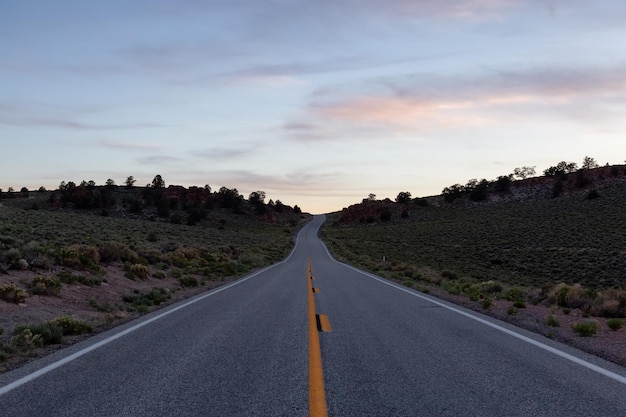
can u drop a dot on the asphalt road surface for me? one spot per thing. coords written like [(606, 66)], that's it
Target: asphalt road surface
[(311, 336)]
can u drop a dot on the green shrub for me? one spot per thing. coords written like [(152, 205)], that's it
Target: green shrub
[(23, 339), (515, 294), (43, 285), (585, 328), (491, 287), (71, 326), (137, 271), (12, 293), (104, 307), (552, 321), (188, 281), (452, 287), (79, 256), (487, 303), (519, 304), (512, 311), (615, 323), (113, 251), (155, 297), (49, 333)]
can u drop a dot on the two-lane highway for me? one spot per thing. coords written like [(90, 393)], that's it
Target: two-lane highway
[(247, 350)]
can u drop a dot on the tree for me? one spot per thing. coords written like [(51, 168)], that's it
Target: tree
[(257, 197), (561, 169), (524, 172), (589, 163), (157, 182), (110, 183), (130, 181), (371, 197), (42, 189), (403, 197)]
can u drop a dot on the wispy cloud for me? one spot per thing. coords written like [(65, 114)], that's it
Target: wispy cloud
[(469, 101), (127, 145), (158, 160)]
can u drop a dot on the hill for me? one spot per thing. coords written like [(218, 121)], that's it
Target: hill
[(526, 254), (82, 258)]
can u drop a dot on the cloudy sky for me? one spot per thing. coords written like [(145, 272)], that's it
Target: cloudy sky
[(317, 103)]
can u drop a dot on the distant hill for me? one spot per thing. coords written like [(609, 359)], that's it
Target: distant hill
[(585, 183), (173, 204)]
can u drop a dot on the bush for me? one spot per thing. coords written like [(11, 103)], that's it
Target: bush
[(585, 328), (188, 281), (512, 311), (137, 271), (552, 321), (79, 256), (42, 285), (49, 333), (112, 251), (12, 293), (23, 339), (615, 323), (71, 326)]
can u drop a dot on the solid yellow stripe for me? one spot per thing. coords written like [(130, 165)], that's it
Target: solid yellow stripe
[(317, 396)]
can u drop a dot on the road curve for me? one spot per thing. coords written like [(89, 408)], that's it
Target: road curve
[(244, 350)]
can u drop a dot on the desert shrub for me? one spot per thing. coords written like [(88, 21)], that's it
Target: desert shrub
[(151, 255), (615, 323), (512, 311), (79, 256), (452, 287), (450, 275), (23, 339), (159, 275), (71, 326), (519, 304), (611, 303), (11, 257), (491, 287), (44, 285), (137, 271), (188, 281), (571, 296), (585, 328), (113, 251), (50, 333), (104, 307), (515, 294), (487, 303), (155, 297), (12, 293), (552, 321)]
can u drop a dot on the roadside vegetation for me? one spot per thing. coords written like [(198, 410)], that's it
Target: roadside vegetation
[(159, 241), (523, 243)]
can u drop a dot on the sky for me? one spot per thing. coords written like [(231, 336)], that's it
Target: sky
[(317, 103)]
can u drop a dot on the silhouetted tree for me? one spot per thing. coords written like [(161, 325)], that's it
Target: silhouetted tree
[(589, 163), (403, 197), (157, 182), (561, 169), (130, 181), (524, 172)]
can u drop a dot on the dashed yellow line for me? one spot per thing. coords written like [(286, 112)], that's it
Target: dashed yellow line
[(317, 395)]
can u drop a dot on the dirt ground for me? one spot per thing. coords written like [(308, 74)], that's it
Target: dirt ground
[(74, 300)]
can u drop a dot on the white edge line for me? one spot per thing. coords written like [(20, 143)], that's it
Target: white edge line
[(40, 372), (564, 355)]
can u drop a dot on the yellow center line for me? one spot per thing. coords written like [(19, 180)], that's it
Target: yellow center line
[(317, 395)]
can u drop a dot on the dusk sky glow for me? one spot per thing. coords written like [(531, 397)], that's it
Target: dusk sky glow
[(317, 103)]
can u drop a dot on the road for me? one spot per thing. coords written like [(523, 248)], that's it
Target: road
[(253, 348)]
